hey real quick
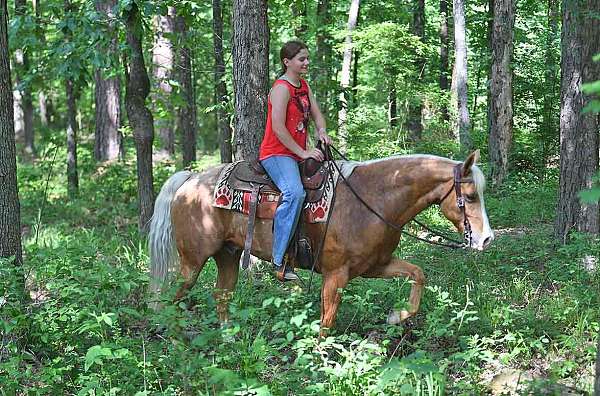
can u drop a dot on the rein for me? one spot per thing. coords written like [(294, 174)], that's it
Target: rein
[(460, 202)]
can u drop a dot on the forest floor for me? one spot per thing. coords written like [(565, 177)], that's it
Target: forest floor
[(524, 309)]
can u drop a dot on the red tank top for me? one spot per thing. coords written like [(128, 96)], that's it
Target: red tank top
[(296, 121)]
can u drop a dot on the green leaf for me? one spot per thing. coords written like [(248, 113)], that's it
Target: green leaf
[(590, 196), (298, 319), (95, 354)]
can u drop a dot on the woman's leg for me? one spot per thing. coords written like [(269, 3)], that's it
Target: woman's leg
[(285, 174)]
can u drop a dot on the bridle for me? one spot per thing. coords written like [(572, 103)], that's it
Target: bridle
[(460, 202)]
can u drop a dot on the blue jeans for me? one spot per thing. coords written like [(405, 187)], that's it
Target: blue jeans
[(285, 174)]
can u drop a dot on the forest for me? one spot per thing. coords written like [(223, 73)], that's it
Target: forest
[(102, 101)]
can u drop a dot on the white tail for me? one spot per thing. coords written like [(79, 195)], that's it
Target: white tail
[(161, 244)]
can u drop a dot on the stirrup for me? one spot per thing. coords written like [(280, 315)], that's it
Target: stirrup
[(284, 273)]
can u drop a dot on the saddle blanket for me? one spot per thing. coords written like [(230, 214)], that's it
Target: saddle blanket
[(226, 197)]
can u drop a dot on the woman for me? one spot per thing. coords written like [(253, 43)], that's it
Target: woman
[(291, 104)]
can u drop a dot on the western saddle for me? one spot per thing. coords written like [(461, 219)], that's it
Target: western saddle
[(251, 176)]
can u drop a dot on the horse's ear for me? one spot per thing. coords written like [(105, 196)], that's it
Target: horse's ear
[(471, 160)]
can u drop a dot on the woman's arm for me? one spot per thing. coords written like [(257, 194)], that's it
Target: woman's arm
[(317, 116), (279, 100)]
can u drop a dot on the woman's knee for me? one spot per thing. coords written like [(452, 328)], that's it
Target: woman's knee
[(296, 194)]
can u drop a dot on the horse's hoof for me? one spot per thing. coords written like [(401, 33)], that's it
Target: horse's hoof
[(397, 317)]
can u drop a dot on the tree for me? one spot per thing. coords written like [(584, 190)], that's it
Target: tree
[(70, 90), (187, 123), (10, 222), (320, 67), (443, 81), (108, 140), (501, 98), (250, 75), (163, 58), (578, 129), (415, 107), (345, 76), (138, 87), (460, 73), (224, 129), (23, 99)]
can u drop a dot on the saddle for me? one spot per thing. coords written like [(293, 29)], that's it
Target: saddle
[(251, 176)]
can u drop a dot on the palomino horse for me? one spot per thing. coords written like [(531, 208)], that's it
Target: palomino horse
[(357, 243)]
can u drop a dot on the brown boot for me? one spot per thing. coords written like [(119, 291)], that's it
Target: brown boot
[(284, 272)]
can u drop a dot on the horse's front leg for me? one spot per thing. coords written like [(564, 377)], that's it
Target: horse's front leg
[(394, 268), (330, 297)]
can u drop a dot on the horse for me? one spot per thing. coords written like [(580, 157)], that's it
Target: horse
[(359, 241)]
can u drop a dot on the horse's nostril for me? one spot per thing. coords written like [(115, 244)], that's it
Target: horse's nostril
[(487, 241)]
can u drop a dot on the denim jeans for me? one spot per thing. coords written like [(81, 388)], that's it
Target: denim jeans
[(285, 174)]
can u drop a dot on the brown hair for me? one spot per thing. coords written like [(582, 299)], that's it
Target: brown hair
[(289, 50)]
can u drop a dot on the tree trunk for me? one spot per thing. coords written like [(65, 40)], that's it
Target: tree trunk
[(354, 95), (549, 126), (72, 127), (320, 67), (345, 78), (392, 103), (26, 104), (163, 58), (187, 118), (224, 128), (415, 106), (138, 87), (578, 130), (108, 140), (250, 75), (460, 44), (299, 13), (444, 55), (41, 37), (501, 99), (10, 222)]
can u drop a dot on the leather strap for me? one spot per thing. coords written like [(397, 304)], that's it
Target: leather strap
[(251, 218)]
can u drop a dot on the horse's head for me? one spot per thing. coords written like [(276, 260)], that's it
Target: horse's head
[(463, 205)]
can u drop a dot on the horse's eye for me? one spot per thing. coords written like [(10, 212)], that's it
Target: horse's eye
[(471, 197)]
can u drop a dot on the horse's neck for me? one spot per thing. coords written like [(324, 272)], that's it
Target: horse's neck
[(413, 184)]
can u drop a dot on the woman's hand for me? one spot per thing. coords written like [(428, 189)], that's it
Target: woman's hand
[(313, 153), (323, 136)]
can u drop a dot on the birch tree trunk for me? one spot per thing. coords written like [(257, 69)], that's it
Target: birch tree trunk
[(224, 128), (24, 101), (415, 106), (444, 55), (460, 47), (578, 130), (501, 98), (10, 220), (250, 75), (138, 87), (163, 59), (345, 77)]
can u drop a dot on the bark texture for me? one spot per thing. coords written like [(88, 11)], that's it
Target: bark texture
[(138, 87), (108, 140), (444, 54), (460, 68), (10, 221), (24, 101), (224, 128), (415, 107), (163, 59), (187, 123), (578, 130), (345, 76), (72, 127), (501, 98), (250, 75)]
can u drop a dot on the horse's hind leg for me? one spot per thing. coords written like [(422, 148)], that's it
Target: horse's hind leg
[(191, 265), (228, 265), (394, 268)]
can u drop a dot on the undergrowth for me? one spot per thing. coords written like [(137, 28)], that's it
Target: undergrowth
[(86, 327)]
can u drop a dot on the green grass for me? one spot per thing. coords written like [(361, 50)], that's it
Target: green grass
[(523, 304)]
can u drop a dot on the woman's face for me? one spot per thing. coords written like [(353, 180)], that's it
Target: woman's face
[(299, 63)]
